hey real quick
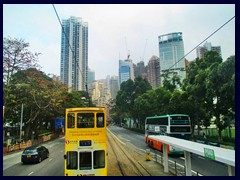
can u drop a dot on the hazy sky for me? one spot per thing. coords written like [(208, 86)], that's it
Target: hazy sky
[(115, 29)]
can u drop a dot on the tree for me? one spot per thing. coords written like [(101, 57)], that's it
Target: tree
[(153, 102), (42, 98), (171, 83), (221, 91), (195, 87), (16, 56)]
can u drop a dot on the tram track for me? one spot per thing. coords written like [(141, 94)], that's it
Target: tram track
[(124, 156), (116, 156)]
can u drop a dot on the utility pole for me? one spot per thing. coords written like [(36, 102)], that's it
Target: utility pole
[(21, 123)]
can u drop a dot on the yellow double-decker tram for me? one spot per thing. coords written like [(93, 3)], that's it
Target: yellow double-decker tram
[(85, 142)]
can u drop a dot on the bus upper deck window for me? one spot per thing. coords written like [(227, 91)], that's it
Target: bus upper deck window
[(100, 120), (71, 120)]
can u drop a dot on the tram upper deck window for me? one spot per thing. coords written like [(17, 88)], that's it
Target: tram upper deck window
[(100, 120), (85, 120), (71, 120)]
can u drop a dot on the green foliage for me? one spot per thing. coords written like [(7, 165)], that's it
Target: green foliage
[(43, 98), (171, 81), (207, 92)]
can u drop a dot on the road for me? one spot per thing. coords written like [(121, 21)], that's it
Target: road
[(52, 166), (200, 164)]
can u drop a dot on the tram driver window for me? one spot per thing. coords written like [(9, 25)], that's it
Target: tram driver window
[(100, 120), (85, 160), (71, 120)]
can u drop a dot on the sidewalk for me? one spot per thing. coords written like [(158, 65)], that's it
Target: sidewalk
[(153, 167)]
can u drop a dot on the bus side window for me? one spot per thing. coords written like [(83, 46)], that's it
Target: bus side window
[(71, 120), (100, 120)]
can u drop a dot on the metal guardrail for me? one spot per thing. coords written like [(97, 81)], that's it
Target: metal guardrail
[(174, 167)]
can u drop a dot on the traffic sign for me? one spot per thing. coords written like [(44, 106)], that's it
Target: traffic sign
[(209, 153)]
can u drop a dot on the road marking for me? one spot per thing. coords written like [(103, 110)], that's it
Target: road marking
[(30, 173), (50, 159)]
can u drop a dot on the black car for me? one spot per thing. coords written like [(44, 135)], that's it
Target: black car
[(34, 154)]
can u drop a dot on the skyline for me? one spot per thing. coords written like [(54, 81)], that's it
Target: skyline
[(116, 29)]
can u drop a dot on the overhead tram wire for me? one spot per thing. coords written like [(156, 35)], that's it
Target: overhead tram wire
[(202, 42), (69, 45)]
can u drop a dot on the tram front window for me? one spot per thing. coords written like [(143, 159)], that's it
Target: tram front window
[(85, 160), (99, 160), (72, 159)]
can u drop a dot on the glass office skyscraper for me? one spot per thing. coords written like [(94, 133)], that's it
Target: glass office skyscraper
[(125, 70), (171, 51), (74, 53)]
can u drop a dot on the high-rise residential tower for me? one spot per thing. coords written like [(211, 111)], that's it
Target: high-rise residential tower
[(201, 50), (171, 52), (154, 72), (74, 53), (114, 86), (91, 76), (139, 69)]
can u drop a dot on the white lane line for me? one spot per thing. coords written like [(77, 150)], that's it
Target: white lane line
[(50, 159), (30, 173)]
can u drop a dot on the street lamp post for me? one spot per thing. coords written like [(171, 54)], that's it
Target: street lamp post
[(21, 123)]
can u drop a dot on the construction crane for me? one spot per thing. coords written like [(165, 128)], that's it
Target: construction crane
[(128, 51)]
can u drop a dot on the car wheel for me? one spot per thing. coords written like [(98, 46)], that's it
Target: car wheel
[(39, 159), (47, 155)]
